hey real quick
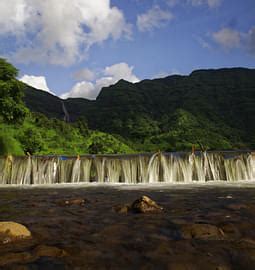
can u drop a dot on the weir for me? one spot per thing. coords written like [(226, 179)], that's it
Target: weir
[(137, 168)]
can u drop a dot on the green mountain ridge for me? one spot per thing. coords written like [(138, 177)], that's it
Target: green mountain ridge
[(211, 109), (25, 132)]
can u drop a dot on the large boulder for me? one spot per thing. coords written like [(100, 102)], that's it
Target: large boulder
[(13, 230)]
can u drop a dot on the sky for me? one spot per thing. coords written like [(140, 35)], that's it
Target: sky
[(74, 48)]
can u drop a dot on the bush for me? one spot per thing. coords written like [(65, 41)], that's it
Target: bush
[(9, 145)]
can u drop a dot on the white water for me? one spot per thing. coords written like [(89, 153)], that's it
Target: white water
[(130, 169)]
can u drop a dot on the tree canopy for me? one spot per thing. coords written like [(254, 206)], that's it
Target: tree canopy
[(12, 107)]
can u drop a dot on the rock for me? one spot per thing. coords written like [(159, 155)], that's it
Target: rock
[(235, 206), (71, 202), (201, 231), (28, 257), (230, 230), (11, 230), (48, 251), (13, 258), (145, 205), (122, 209), (141, 205)]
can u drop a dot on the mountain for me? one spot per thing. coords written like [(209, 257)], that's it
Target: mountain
[(209, 108), (25, 132)]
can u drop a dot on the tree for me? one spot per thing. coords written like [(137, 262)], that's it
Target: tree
[(31, 141), (82, 124), (7, 70), (12, 107)]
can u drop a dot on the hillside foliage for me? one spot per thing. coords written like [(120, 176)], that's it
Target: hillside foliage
[(210, 109), (24, 132)]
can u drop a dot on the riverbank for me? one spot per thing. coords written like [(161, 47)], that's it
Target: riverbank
[(202, 226)]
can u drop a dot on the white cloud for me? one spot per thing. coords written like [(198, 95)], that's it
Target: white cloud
[(210, 3), (38, 82), (59, 32), (250, 40), (121, 71), (173, 3), (110, 75), (81, 89), (227, 38), (203, 42), (164, 74), (84, 74), (214, 3), (153, 18)]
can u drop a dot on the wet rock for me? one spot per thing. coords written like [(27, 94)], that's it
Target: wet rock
[(13, 258), (145, 205), (235, 206), (230, 230), (70, 202), (122, 209), (141, 205), (201, 231), (28, 257), (48, 251), (11, 231)]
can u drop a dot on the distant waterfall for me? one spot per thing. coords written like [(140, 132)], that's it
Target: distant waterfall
[(131, 169), (66, 114)]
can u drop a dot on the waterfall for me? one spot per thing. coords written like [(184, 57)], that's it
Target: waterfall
[(113, 170), (131, 169), (66, 114), (99, 163)]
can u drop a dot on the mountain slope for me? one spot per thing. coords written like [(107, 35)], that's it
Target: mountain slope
[(219, 101)]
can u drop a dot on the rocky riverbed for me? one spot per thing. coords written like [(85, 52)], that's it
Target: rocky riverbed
[(207, 226)]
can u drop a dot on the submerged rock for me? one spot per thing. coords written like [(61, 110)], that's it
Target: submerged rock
[(14, 258), (70, 202), (28, 257), (201, 231), (48, 251), (122, 209), (10, 231), (142, 205)]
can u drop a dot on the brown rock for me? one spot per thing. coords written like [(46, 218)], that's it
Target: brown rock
[(230, 230), (201, 231), (122, 209), (70, 202), (12, 258), (145, 205), (47, 251), (235, 206), (11, 231), (28, 257)]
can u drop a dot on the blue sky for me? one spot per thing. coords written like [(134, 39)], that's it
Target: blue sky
[(73, 48)]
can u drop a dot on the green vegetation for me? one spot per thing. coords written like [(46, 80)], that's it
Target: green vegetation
[(210, 109), (23, 132), (12, 109)]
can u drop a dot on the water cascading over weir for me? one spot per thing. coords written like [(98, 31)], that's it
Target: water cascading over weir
[(137, 168)]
